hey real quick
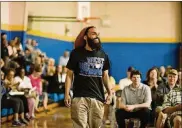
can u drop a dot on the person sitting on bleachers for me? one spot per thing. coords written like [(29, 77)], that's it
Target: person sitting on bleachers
[(171, 84), (36, 82), (172, 108), (26, 86), (63, 60), (179, 82), (162, 72), (126, 81), (50, 68), (28, 60), (36, 62), (152, 80), (18, 44), (17, 102), (28, 45), (56, 82), (4, 52), (134, 102), (13, 54)]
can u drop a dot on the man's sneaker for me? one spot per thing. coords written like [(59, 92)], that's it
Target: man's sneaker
[(16, 123)]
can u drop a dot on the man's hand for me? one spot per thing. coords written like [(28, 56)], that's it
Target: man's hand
[(108, 99), (67, 100), (129, 108)]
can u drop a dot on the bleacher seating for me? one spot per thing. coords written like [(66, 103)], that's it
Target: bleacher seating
[(7, 113)]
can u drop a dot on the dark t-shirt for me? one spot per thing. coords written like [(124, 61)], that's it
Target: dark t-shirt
[(88, 67)]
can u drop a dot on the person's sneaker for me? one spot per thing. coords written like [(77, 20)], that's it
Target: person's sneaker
[(27, 118), (46, 110), (16, 123), (32, 118), (24, 121)]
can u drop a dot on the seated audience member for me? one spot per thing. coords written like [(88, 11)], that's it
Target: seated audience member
[(37, 62), (162, 72), (172, 106), (4, 50), (134, 102), (18, 103), (152, 80), (172, 109), (56, 82), (18, 44), (50, 69), (63, 60), (26, 86), (126, 81), (3, 36), (13, 54), (28, 45), (171, 85), (36, 82), (179, 82)]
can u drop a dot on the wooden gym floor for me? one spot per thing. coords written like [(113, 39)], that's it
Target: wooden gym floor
[(58, 118)]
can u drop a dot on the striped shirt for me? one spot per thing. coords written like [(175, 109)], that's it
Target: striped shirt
[(173, 98)]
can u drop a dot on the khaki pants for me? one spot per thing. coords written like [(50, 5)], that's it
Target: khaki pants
[(87, 112)]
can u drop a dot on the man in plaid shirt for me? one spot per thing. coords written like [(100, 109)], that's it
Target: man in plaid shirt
[(172, 105)]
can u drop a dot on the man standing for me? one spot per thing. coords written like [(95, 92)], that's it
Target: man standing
[(88, 67), (134, 102)]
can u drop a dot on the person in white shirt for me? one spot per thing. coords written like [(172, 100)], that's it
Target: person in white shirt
[(26, 86), (64, 59), (126, 81)]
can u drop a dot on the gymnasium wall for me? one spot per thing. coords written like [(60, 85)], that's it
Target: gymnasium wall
[(13, 19), (141, 34)]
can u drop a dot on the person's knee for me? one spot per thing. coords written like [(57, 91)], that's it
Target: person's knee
[(157, 111), (145, 112), (177, 120), (119, 114)]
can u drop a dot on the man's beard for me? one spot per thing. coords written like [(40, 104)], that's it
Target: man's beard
[(94, 43)]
